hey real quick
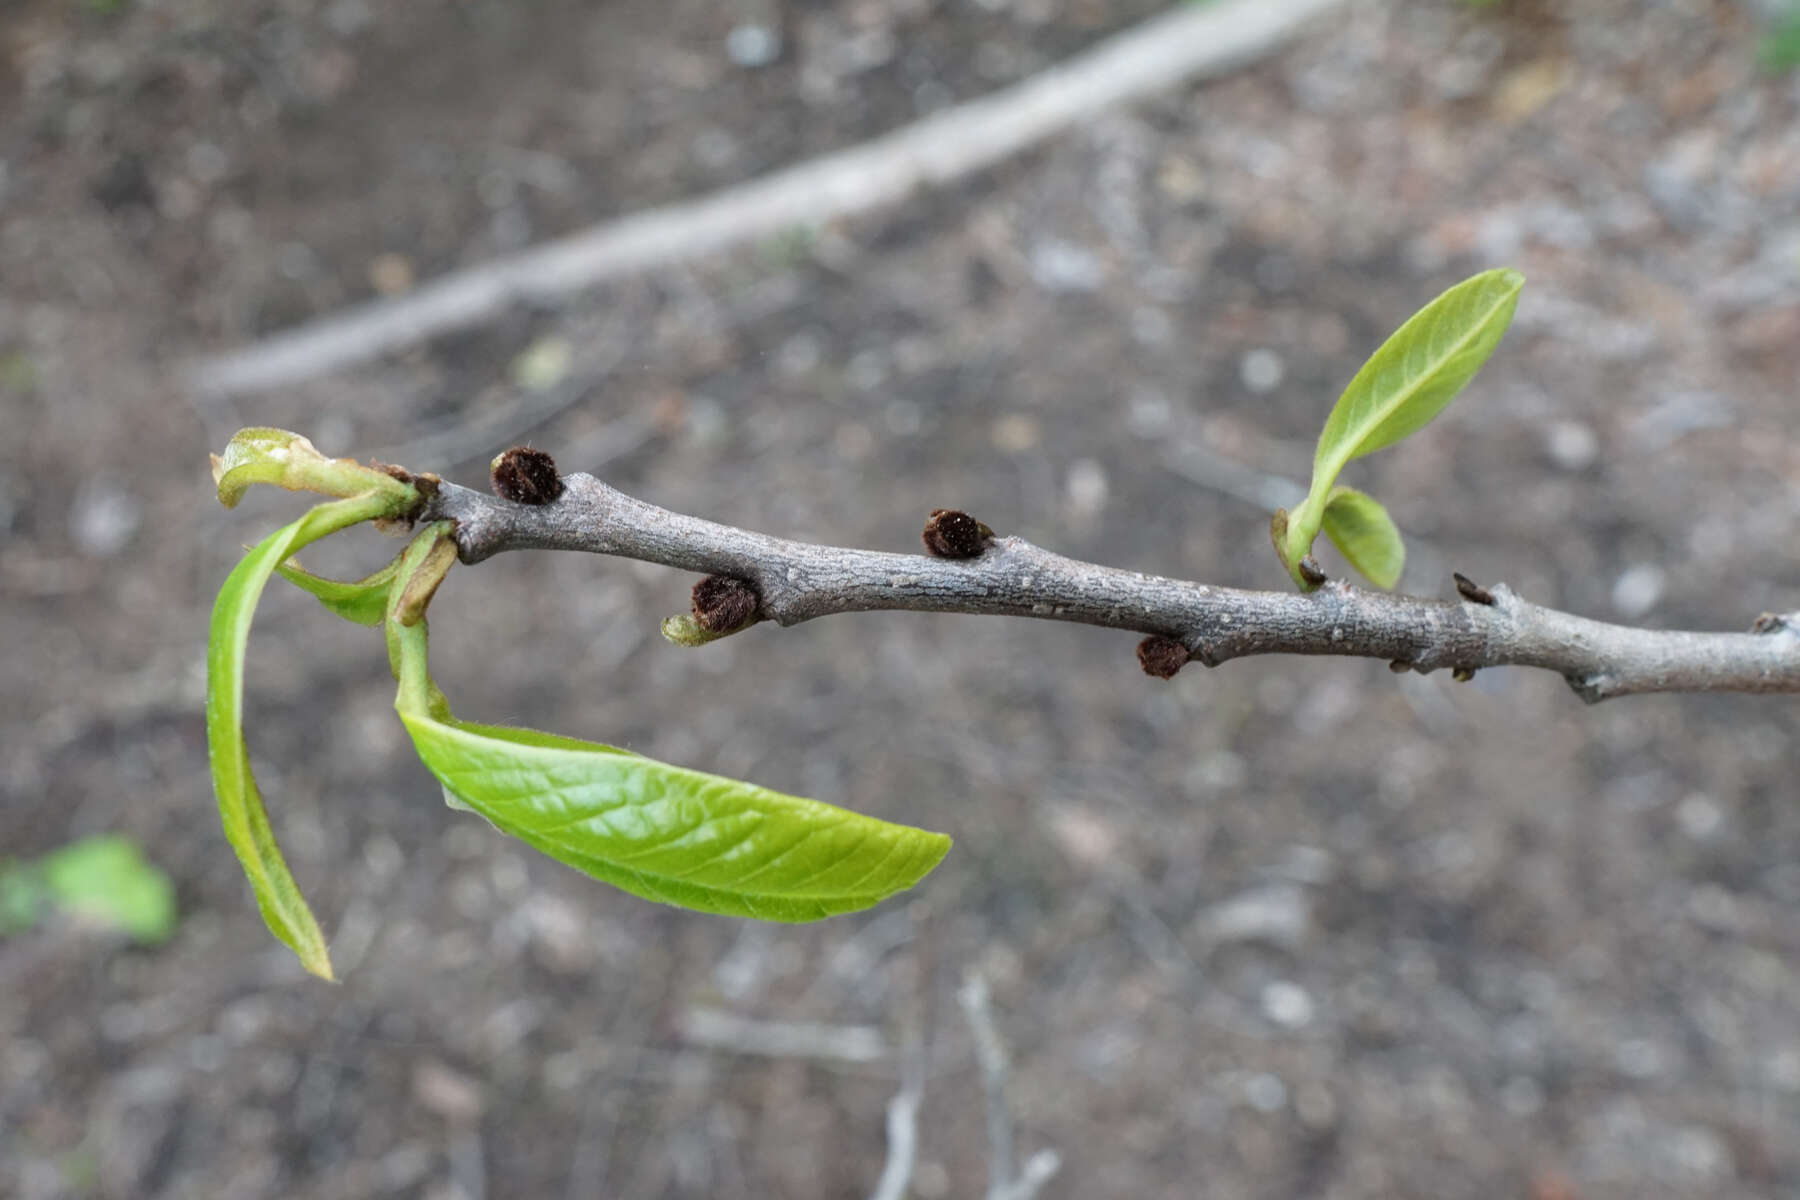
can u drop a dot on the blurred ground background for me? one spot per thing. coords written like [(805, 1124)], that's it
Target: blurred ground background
[(1288, 928)]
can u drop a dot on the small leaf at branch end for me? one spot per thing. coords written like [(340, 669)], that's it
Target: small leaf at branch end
[(363, 601), (657, 831), (1405, 384), (953, 534), (525, 476), (240, 803), (288, 460), (1162, 657), (1419, 370), (724, 603), (1365, 535)]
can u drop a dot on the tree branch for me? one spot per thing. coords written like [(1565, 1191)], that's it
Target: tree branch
[(1008, 576)]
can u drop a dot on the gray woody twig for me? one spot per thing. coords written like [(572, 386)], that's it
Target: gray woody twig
[(1005, 1180), (797, 581)]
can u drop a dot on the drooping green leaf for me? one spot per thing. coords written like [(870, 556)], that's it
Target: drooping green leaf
[(363, 601), (240, 804), (107, 879), (657, 831), (290, 461), (1365, 535), (1402, 386)]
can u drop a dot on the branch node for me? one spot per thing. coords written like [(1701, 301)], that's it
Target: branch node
[(950, 533), (1591, 688), (1162, 656), (724, 603), (1776, 623), (1471, 591), (1400, 666), (525, 476)]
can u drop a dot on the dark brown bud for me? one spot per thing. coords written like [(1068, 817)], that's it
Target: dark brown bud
[(723, 603), (526, 476), (1162, 656), (1312, 572), (1463, 674), (1471, 591), (953, 534)]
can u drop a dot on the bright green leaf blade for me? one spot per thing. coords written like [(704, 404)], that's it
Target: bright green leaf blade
[(240, 804), (289, 460), (108, 879), (1365, 535), (363, 601), (1417, 371), (661, 832)]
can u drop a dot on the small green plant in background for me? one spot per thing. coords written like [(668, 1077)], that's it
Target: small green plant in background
[(100, 881), (1779, 49), (667, 833)]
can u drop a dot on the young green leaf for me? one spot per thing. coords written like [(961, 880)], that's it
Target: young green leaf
[(1365, 535), (107, 879), (291, 461), (1405, 383), (660, 832), (240, 804), (363, 601)]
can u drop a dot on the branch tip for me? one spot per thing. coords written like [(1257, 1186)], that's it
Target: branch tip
[(950, 533), (724, 603), (1162, 656), (525, 476), (1471, 591)]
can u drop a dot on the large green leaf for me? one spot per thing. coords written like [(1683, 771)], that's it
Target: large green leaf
[(1365, 535), (1405, 383), (240, 804), (657, 831)]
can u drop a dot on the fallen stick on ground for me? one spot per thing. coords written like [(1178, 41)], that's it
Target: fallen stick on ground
[(1187, 43)]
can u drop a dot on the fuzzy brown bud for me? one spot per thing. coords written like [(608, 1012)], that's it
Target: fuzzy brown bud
[(1162, 656), (953, 534), (723, 603), (1471, 591), (526, 476)]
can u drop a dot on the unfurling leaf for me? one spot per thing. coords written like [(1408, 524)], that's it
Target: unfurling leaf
[(240, 804), (657, 831), (1405, 383), (290, 461), (363, 601), (1365, 535)]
